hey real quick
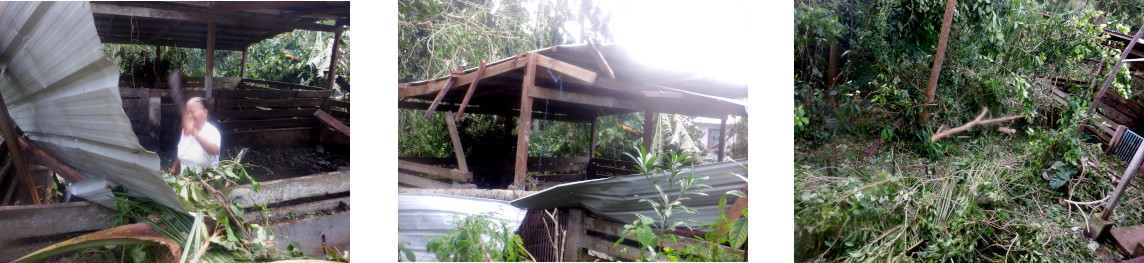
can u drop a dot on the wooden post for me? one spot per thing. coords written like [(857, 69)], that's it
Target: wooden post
[(155, 67), (8, 128), (931, 86), (649, 124), (572, 238), (334, 58), (722, 137), (208, 77), (520, 167), (456, 138), (592, 140), (242, 70)]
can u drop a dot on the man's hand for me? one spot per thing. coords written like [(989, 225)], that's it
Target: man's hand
[(188, 125)]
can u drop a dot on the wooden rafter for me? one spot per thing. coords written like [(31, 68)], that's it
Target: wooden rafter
[(433, 86), (568, 70), (472, 87), (111, 9), (225, 7), (164, 32), (599, 58), (441, 94)]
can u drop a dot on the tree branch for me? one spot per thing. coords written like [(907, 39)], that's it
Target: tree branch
[(975, 122)]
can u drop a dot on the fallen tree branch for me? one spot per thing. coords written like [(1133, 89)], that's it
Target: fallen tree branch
[(1086, 203), (975, 122)]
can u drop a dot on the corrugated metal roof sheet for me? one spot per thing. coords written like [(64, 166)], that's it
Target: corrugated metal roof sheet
[(616, 198), (423, 216), (63, 93)]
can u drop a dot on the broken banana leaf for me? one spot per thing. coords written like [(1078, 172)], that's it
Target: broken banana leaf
[(133, 234)]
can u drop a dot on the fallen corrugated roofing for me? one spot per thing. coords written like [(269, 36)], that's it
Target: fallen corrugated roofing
[(63, 93), (423, 216), (616, 198)]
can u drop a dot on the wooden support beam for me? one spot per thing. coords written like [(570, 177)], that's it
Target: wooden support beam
[(242, 70), (440, 96), (456, 175), (566, 69), (472, 87), (164, 31), (432, 86), (599, 58), (651, 121), (332, 123), (573, 235), (722, 137), (456, 140), (1116, 68), (234, 19), (330, 75), (8, 129), (520, 170), (226, 7), (43, 158), (592, 138), (209, 76)]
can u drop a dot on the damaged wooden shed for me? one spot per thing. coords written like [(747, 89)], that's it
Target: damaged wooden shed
[(568, 83)]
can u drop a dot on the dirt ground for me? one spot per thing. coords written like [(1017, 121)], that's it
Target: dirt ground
[(273, 163)]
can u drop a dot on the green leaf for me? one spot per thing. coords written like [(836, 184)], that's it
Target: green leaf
[(646, 237), (738, 233)]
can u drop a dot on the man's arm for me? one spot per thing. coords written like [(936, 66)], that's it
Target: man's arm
[(175, 167), (208, 146)]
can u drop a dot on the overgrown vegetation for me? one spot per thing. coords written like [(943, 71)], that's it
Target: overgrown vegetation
[(982, 195), (481, 238)]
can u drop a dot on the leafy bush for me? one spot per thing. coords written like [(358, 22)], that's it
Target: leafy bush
[(479, 238)]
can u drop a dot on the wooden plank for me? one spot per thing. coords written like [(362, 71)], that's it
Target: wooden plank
[(440, 96), (251, 104), (455, 138), (340, 104), (616, 171), (223, 115), (209, 75), (224, 7), (332, 123), (8, 128), (430, 160), (581, 98), (45, 159), (433, 86), (1116, 68), (601, 63), (614, 163), (237, 19), (421, 182), (290, 189), (567, 70), (280, 213), (592, 138), (651, 121), (493, 111), (472, 87), (606, 246), (559, 160), (456, 175), (28, 228), (271, 137), (266, 124), (271, 94), (523, 130), (573, 235), (133, 103), (341, 115), (560, 178), (277, 84)]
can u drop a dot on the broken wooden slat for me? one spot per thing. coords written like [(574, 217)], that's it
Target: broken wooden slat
[(455, 137), (333, 123), (271, 94), (567, 69), (45, 159), (456, 175), (1116, 68), (599, 58), (472, 87), (229, 104)]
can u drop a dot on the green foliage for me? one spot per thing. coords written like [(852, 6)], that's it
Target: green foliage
[(479, 238)]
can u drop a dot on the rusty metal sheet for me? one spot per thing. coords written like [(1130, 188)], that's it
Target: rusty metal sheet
[(63, 93)]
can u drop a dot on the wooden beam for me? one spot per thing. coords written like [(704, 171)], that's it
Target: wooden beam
[(456, 175), (573, 235), (333, 123), (722, 137), (242, 70), (165, 30), (472, 87), (566, 69), (8, 129), (100, 8), (599, 58), (495, 111), (432, 86), (456, 140), (592, 140), (225, 7), (421, 182), (520, 171), (651, 121), (209, 75), (334, 58), (47, 160), (440, 96)]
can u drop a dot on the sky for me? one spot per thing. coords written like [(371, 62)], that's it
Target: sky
[(706, 37)]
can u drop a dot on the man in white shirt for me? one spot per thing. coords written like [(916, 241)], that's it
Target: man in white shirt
[(199, 146)]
